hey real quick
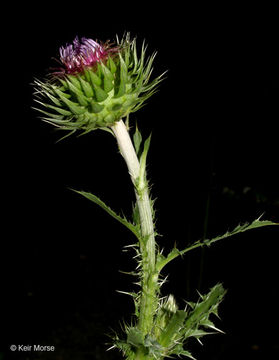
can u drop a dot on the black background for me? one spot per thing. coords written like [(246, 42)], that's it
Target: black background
[(214, 140)]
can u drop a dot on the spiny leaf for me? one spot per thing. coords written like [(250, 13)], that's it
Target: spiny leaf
[(206, 306), (172, 329), (188, 354), (154, 348), (209, 324), (162, 261), (142, 173), (99, 202), (135, 337), (180, 351), (197, 333)]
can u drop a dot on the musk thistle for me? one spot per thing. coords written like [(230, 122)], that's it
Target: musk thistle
[(96, 86)]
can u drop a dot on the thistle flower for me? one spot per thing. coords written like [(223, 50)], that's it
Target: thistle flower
[(81, 54), (97, 86)]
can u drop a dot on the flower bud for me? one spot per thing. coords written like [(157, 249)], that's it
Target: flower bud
[(97, 86)]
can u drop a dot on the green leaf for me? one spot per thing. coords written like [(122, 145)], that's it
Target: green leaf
[(172, 329), (162, 260), (209, 324), (207, 242), (197, 333), (135, 337), (180, 351), (99, 202), (142, 172), (206, 306), (154, 348)]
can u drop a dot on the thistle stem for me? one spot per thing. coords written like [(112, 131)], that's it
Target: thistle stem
[(149, 279)]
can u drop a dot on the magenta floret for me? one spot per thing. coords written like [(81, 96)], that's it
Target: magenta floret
[(80, 54)]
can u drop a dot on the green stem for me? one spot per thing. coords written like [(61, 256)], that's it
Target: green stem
[(149, 278)]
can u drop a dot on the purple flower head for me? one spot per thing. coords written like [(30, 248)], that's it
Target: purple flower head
[(80, 54)]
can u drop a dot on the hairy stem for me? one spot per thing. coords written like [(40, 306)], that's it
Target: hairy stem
[(147, 247)]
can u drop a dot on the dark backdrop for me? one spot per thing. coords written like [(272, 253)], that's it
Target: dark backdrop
[(213, 163)]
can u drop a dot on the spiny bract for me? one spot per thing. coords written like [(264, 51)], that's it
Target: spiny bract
[(97, 86)]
